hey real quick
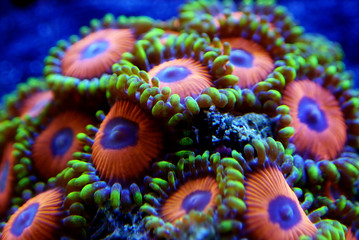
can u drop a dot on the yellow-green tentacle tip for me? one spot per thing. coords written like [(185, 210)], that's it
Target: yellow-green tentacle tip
[(236, 203), (330, 229), (229, 226), (231, 162), (192, 105), (153, 221), (264, 86), (330, 170), (66, 175), (286, 132), (234, 174), (20, 170), (226, 81), (283, 109), (213, 93), (237, 186), (186, 141), (249, 97), (160, 110), (160, 182), (148, 209), (115, 196), (163, 232), (80, 166), (175, 119), (313, 171), (260, 149), (136, 194), (23, 184), (288, 73), (71, 198), (84, 180), (74, 221), (77, 209), (156, 188), (347, 168), (164, 166), (318, 213), (101, 196), (90, 189)]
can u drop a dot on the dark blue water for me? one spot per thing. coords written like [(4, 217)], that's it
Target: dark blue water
[(28, 31)]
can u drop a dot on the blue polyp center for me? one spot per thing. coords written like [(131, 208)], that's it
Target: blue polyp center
[(3, 176), (284, 211), (120, 133), (197, 200), (310, 114), (241, 58), (173, 74), (24, 219), (62, 141), (95, 49)]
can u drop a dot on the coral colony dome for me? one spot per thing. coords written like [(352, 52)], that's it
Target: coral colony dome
[(228, 121)]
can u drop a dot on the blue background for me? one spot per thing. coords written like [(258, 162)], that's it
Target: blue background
[(28, 29)]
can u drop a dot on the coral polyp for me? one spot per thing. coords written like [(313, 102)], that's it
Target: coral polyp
[(95, 54), (197, 195), (126, 143), (228, 121), (315, 112), (185, 77), (273, 208), (56, 144), (82, 65), (251, 62), (39, 218)]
